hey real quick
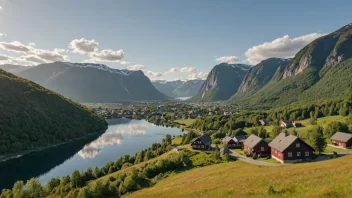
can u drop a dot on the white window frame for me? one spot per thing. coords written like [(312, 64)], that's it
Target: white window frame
[(306, 154), (289, 154), (262, 148), (298, 145), (298, 154)]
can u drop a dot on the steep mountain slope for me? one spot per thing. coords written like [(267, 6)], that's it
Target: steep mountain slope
[(32, 117), (307, 68), (189, 88), (262, 73), (14, 69), (86, 82), (222, 82)]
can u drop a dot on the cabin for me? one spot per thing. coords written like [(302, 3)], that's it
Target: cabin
[(341, 139), (297, 124), (202, 143), (287, 148), (256, 145), (263, 122), (234, 142), (286, 123)]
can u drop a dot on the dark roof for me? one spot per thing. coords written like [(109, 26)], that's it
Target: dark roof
[(283, 141), (205, 138), (252, 141), (240, 138), (341, 137), (287, 121)]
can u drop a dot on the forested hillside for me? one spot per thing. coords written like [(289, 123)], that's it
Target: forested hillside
[(33, 117)]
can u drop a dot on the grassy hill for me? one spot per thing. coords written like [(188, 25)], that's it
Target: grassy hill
[(237, 179), (32, 117)]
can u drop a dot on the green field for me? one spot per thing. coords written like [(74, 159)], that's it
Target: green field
[(330, 178), (186, 122)]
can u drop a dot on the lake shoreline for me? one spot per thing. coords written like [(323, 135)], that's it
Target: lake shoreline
[(18, 155)]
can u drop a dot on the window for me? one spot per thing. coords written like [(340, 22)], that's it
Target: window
[(298, 145), (262, 148), (202, 146), (307, 154), (298, 154), (289, 154)]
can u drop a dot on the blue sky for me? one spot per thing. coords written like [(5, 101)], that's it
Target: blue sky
[(158, 35)]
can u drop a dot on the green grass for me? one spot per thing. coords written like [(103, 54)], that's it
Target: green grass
[(330, 149), (177, 141), (187, 122), (330, 178)]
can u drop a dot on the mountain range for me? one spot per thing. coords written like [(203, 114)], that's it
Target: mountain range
[(14, 69), (178, 88), (93, 83), (320, 70)]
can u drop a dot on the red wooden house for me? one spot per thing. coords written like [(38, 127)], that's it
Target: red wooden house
[(343, 140), (256, 145), (290, 148), (202, 143), (234, 142)]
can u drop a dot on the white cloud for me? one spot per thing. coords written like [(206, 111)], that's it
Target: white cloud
[(0, 8), (125, 62), (227, 59), (1, 34), (83, 46), (107, 55), (284, 47), (50, 56), (31, 55), (184, 69), (32, 58), (199, 75), (15, 46), (136, 67), (154, 74), (4, 57)]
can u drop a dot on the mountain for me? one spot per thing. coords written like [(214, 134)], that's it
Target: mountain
[(167, 87), (189, 88), (93, 83), (262, 73), (14, 69), (32, 117), (318, 71), (222, 82), (178, 88)]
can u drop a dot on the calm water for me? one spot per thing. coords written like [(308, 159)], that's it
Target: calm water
[(183, 98), (122, 137)]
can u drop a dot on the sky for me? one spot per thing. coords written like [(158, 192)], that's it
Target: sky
[(167, 39)]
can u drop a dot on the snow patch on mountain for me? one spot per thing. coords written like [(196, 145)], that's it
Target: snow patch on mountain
[(100, 67)]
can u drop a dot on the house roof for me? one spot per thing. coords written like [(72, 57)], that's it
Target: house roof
[(226, 139), (252, 141), (341, 137), (240, 138), (283, 141), (287, 121), (205, 138)]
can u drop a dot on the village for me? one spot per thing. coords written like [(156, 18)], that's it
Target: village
[(285, 148)]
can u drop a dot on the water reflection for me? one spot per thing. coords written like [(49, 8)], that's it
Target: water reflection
[(122, 137), (111, 138), (38, 163)]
